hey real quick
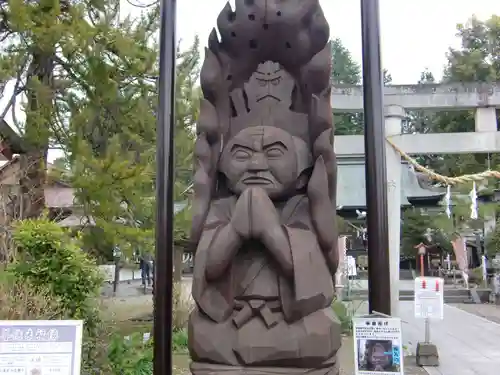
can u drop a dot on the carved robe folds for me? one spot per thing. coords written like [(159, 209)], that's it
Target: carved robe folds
[(253, 315), (264, 222)]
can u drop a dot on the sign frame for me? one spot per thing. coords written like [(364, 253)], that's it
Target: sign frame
[(76, 352), (428, 301), (368, 334)]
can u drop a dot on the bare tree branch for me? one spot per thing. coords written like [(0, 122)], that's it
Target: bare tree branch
[(17, 89), (143, 6)]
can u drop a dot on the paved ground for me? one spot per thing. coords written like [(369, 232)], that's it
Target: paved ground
[(345, 357), (129, 304), (467, 344), (129, 287), (346, 360), (467, 338), (487, 311)]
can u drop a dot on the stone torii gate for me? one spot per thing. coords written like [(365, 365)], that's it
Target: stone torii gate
[(483, 98)]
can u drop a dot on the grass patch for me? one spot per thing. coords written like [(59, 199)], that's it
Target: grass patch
[(340, 309), (129, 328), (120, 315), (180, 341), (130, 317)]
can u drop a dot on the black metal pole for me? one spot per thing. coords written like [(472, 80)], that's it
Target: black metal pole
[(379, 282), (164, 192)]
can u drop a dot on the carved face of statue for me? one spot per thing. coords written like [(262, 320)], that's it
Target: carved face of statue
[(266, 157), (269, 85)]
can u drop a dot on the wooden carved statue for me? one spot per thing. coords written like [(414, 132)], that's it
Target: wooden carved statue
[(264, 222)]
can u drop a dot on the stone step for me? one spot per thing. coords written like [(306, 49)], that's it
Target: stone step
[(450, 295), (449, 300), (458, 292), (406, 275)]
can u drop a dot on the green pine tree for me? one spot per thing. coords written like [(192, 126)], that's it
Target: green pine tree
[(346, 71), (89, 79)]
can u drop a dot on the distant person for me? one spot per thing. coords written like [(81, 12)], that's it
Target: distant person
[(146, 265)]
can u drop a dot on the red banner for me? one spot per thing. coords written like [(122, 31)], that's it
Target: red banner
[(460, 251)]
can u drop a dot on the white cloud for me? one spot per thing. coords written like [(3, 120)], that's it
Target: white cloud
[(416, 34)]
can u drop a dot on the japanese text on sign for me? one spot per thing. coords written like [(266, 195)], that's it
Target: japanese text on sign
[(40, 347), (429, 298), (378, 346)]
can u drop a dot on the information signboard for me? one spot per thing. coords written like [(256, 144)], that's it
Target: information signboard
[(429, 298), (40, 347), (378, 348)]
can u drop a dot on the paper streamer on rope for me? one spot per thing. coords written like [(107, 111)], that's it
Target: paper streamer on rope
[(447, 199), (484, 267), (342, 267), (473, 204)]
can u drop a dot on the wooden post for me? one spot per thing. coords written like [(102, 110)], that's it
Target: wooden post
[(165, 192), (379, 279)]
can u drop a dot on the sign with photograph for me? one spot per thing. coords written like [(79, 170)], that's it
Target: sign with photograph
[(429, 298), (39, 347), (378, 348)]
